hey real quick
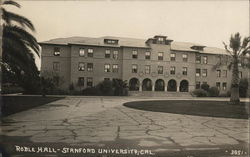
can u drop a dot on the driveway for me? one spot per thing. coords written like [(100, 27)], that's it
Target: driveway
[(103, 122)]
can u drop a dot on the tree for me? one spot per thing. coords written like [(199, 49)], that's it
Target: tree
[(239, 55), (18, 49)]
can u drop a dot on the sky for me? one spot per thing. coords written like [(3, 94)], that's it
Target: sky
[(204, 22)]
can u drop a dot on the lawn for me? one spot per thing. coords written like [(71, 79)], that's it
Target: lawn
[(191, 107), (14, 104)]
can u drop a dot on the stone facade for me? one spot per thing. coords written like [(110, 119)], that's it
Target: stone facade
[(79, 59)]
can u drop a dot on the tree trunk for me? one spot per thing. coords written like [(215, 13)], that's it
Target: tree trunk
[(235, 99)]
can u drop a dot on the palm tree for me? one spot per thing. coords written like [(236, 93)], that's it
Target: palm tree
[(19, 47), (239, 52)]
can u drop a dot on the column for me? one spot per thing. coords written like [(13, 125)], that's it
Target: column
[(153, 88), (165, 88), (140, 88), (177, 88)]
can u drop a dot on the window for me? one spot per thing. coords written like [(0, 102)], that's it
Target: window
[(115, 54), (56, 51), (90, 67), (90, 52), (184, 71), (172, 70), (89, 81), (240, 74), (147, 69), (134, 68), (160, 69), (115, 68), (197, 85), (160, 56), (106, 79), (134, 54), (107, 54), (198, 72), (56, 66), (80, 81), (218, 73), (172, 57), (81, 52), (147, 55), (81, 66), (224, 86), (198, 59), (224, 73), (218, 85), (204, 72), (184, 57), (160, 39), (204, 59), (107, 68)]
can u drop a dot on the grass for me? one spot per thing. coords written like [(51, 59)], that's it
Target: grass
[(197, 108), (14, 104)]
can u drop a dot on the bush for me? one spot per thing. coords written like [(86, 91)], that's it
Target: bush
[(106, 88), (11, 90), (213, 92), (243, 87), (200, 93), (205, 86), (91, 91)]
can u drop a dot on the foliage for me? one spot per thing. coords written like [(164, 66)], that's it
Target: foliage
[(200, 93), (238, 54), (92, 91), (11, 89), (213, 92), (18, 47), (106, 88), (50, 82), (116, 87), (205, 86), (243, 87), (120, 87)]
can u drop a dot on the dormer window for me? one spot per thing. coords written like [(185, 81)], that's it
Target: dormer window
[(111, 41), (198, 48), (160, 39)]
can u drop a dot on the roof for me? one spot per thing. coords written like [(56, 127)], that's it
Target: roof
[(131, 42)]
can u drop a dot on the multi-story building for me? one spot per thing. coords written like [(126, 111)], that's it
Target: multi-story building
[(155, 64)]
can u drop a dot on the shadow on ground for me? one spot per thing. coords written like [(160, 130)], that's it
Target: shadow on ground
[(196, 108)]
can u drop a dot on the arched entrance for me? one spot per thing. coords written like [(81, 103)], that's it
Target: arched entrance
[(134, 84), (172, 86), (159, 85), (184, 86), (147, 85)]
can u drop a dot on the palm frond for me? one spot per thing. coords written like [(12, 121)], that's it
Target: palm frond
[(10, 2), (22, 35), (235, 42), (8, 17), (226, 48)]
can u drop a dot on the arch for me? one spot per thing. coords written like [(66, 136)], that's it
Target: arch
[(172, 85), (184, 86), (134, 84), (159, 85), (147, 85)]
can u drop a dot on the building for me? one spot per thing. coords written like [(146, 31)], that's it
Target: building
[(155, 64)]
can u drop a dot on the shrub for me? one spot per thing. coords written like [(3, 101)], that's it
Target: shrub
[(213, 92), (200, 93), (205, 86), (91, 91), (243, 87), (106, 88)]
